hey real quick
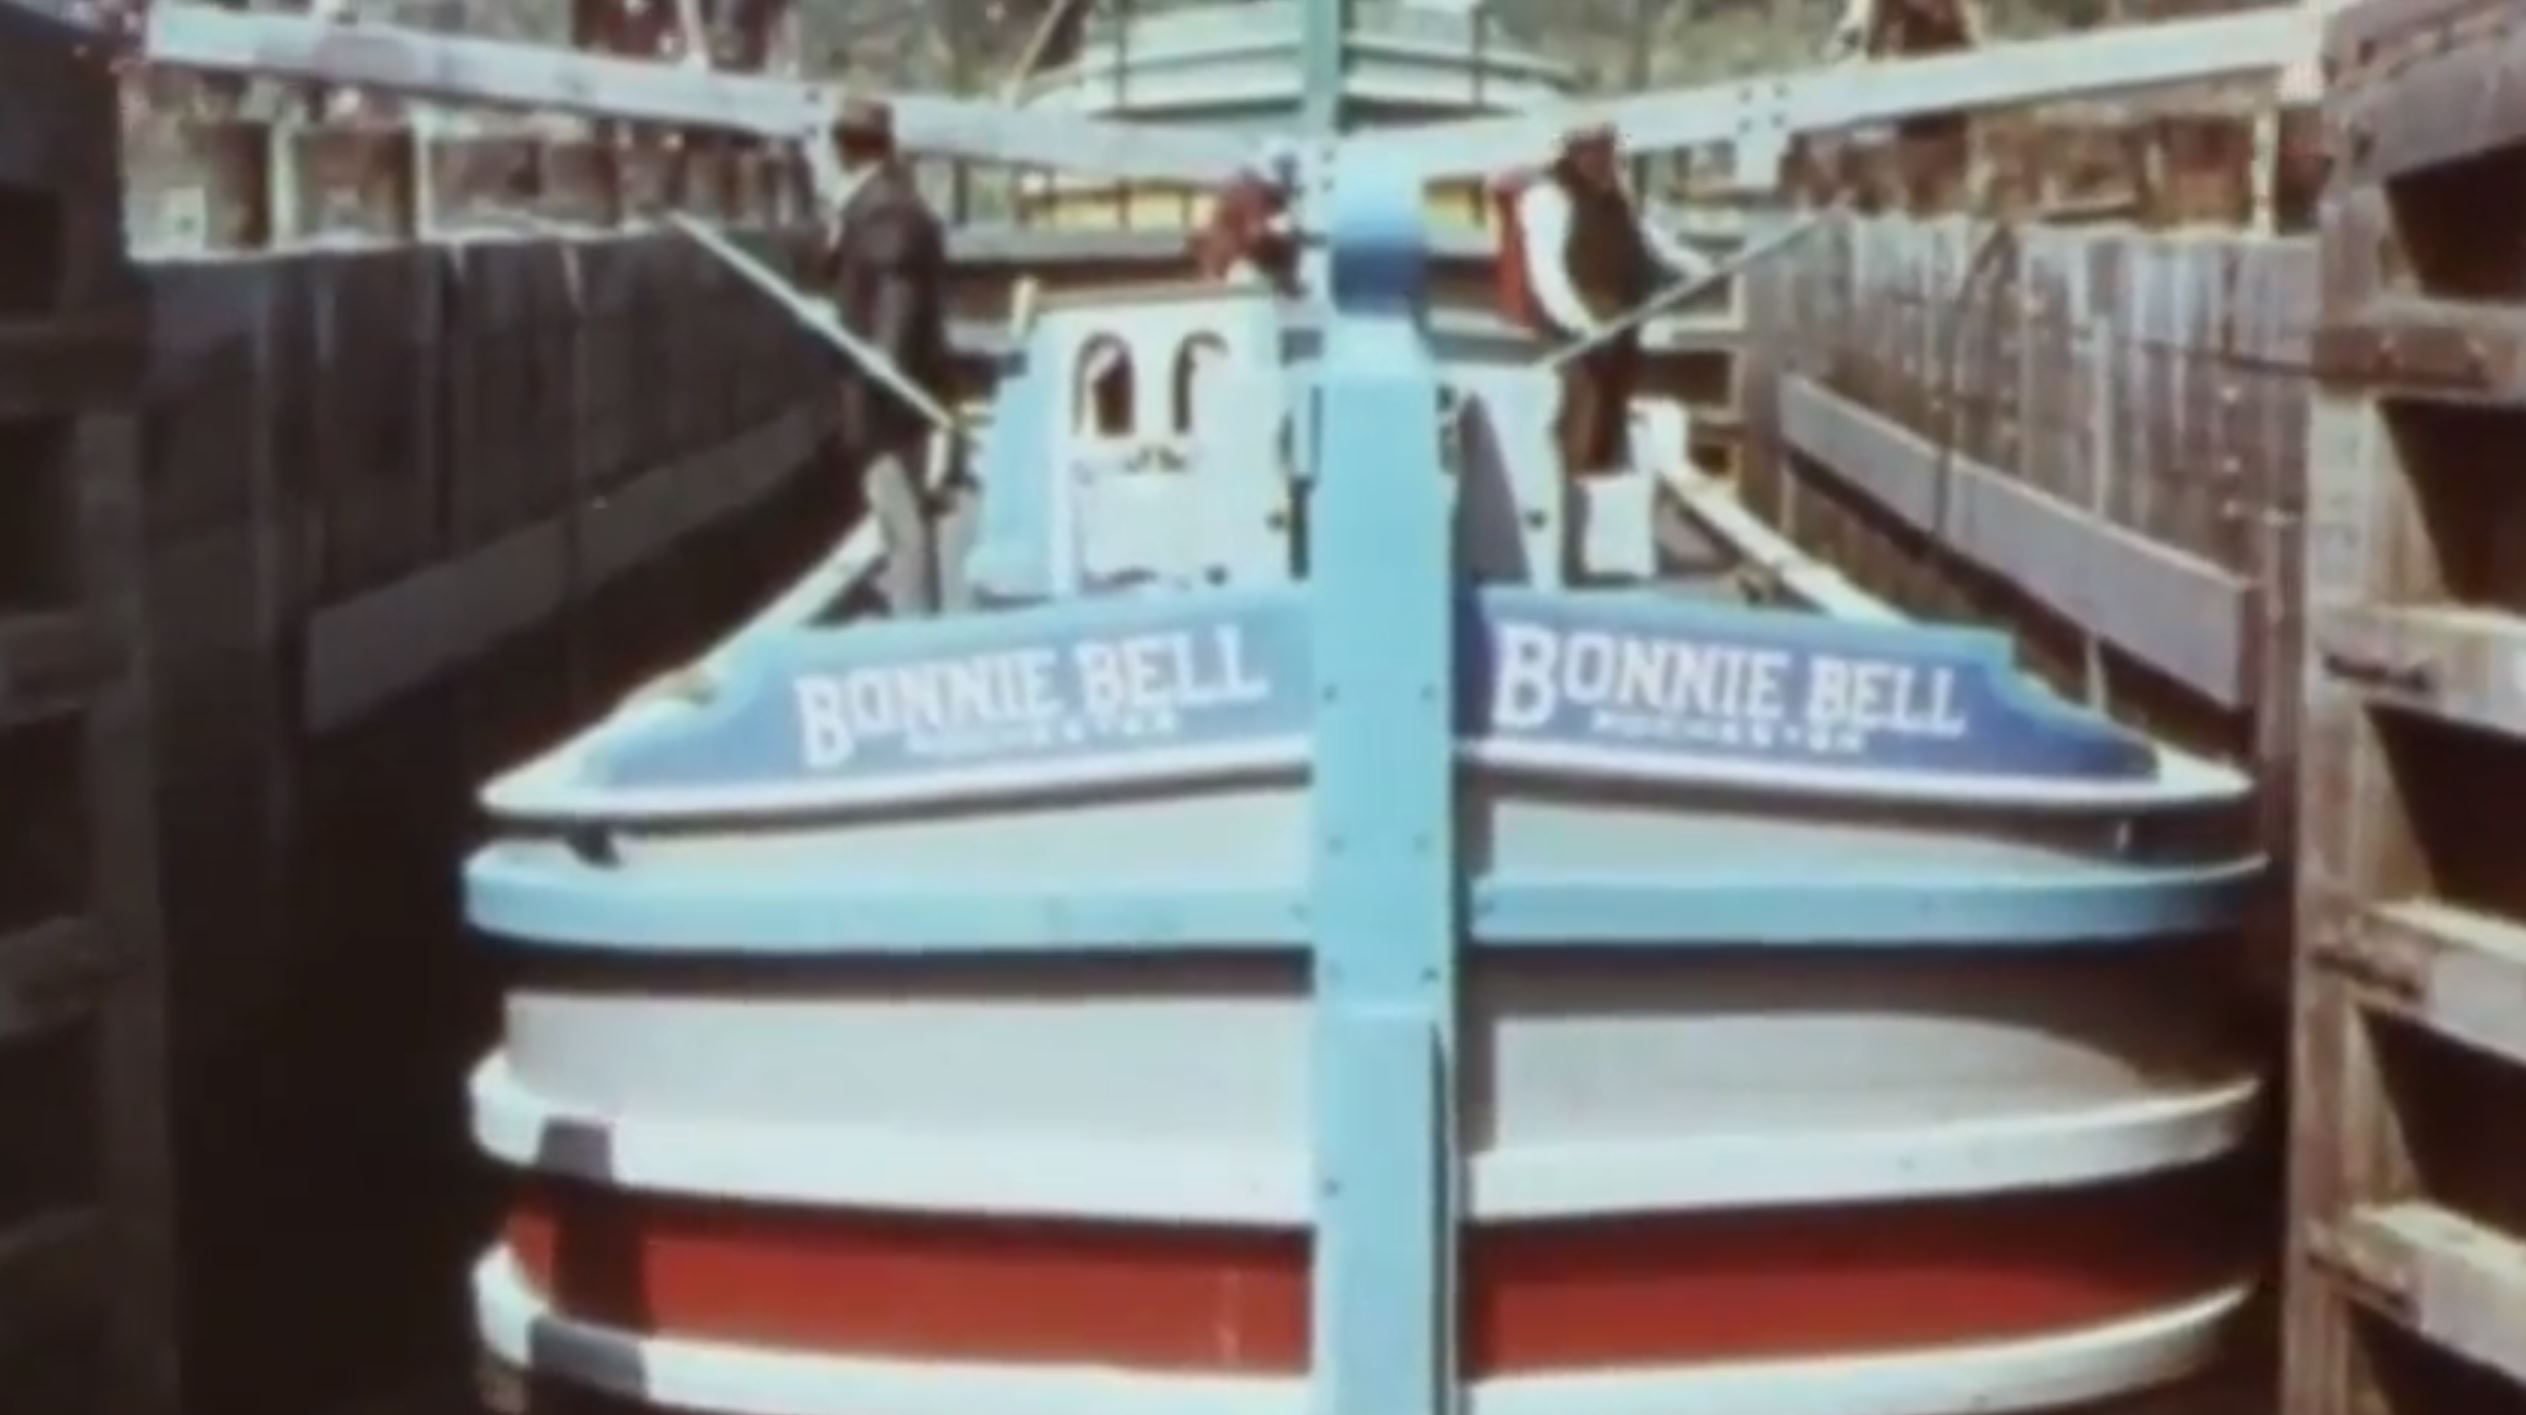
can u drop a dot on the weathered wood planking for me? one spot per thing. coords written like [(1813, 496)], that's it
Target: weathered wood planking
[(197, 185), (2149, 388), (2189, 618), (2408, 1172), (373, 648), (441, 425), (408, 512), (87, 1267), (2453, 1282), (2449, 970), (2210, 162), (2440, 87)]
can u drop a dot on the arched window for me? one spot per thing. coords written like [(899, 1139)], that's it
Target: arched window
[(1203, 358), (1105, 388)]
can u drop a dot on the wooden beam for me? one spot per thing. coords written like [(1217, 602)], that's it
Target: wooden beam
[(2185, 617), (468, 69), (2430, 104), (2461, 665), (51, 1265), (364, 653), (2250, 44), (1772, 556), (2443, 969), (2418, 347), (48, 663), (2457, 1283), (51, 973), (63, 366), (1057, 16)]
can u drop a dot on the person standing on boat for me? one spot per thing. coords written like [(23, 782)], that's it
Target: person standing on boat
[(1580, 257), (885, 267), (1252, 233)]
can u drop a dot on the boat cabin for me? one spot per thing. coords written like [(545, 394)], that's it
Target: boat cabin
[(1154, 437)]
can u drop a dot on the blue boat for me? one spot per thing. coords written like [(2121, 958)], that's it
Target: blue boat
[(1337, 919)]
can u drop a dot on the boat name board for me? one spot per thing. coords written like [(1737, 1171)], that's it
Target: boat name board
[(1647, 685), (1088, 695), (1014, 704), (1562, 675)]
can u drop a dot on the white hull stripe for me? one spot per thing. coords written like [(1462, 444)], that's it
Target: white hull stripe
[(770, 1162)]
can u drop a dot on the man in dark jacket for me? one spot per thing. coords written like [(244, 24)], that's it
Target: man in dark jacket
[(1589, 259), (885, 269)]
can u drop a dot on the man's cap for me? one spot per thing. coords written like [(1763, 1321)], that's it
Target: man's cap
[(863, 118)]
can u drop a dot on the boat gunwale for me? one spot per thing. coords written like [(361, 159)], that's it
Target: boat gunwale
[(792, 913), (2207, 1119)]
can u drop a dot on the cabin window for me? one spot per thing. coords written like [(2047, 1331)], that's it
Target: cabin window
[(1202, 359), (1105, 388)]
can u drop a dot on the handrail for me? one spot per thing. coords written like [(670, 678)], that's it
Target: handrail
[(2257, 43)]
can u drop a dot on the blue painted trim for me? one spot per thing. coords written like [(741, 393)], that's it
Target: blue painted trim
[(1809, 910), (567, 904), (792, 912), (1385, 885)]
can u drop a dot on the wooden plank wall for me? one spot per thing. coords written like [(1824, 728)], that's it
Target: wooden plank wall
[(86, 1266), (201, 184), (411, 513), (2095, 442), (2409, 1149), (2090, 435), (443, 446)]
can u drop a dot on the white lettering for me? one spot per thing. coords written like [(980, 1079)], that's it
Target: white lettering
[(1828, 691), (1946, 719), (1146, 671), (824, 727), (1649, 687), (1766, 685), (1522, 694), (1102, 686), (1033, 669), (1587, 672), (1241, 686), (1640, 674)]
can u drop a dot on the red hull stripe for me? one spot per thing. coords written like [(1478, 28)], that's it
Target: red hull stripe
[(1561, 1296)]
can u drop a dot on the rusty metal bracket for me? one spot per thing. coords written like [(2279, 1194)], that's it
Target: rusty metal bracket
[(2410, 674), (2425, 346), (2380, 961), (2382, 1290)]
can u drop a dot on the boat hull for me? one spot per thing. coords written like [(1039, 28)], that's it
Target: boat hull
[(1367, 995)]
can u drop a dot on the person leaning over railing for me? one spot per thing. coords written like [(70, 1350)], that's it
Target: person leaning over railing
[(1576, 257)]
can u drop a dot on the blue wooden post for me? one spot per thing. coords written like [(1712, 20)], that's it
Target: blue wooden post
[(1323, 56), (1385, 898)]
